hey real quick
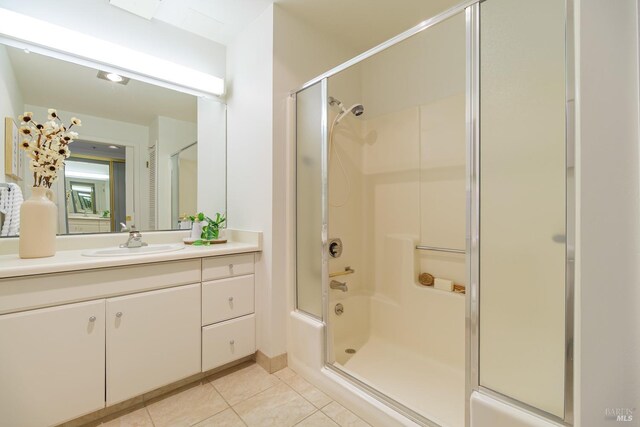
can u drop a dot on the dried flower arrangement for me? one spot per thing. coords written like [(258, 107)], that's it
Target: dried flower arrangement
[(47, 145)]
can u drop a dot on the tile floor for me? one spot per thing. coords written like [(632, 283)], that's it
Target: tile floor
[(247, 397)]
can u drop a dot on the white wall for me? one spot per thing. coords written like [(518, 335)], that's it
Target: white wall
[(607, 347), (274, 55), (11, 103), (300, 52), (212, 156), (249, 159), (97, 18)]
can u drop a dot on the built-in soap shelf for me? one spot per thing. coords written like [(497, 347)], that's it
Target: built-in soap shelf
[(428, 280)]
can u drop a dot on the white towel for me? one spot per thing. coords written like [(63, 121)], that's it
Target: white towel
[(14, 227), (10, 202), (443, 284)]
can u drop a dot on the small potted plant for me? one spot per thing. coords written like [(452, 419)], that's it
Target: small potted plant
[(206, 230)]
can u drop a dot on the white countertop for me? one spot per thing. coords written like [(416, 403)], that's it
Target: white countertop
[(12, 265)]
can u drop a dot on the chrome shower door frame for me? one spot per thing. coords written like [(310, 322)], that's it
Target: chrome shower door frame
[(471, 8)]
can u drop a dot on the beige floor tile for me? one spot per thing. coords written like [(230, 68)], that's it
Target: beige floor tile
[(138, 418), (318, 419), (244, 383), (187, 407), (343, 416), (226, 418), (278, 406), (285, 373), (309, 392)]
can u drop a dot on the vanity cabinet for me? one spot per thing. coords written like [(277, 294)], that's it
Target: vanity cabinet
[(152, 340), (73, 343), (52, 364), (228, 304)]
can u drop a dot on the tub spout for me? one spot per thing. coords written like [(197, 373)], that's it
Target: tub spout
[(338, 285)]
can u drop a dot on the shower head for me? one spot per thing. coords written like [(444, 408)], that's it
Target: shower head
[(356, 109)]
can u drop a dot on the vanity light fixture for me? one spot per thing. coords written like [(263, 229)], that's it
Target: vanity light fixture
[(39, 36), (113, 77), (114, 147)]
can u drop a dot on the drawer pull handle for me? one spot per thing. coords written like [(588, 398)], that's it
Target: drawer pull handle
[(232, 342), (92, 319), (231, 268), (119, 314)]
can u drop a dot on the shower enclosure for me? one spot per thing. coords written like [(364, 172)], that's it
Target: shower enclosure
[(402, 164)]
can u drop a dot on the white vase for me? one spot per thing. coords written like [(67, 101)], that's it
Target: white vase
[(196, 230), (38, 224)]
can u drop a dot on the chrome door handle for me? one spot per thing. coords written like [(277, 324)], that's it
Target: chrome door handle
[(119, 314)]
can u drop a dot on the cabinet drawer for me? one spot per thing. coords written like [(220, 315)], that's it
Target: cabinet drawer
[(228, 341), (228, 266), (227, 298)]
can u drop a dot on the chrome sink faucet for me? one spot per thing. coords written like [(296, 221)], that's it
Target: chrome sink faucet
[(134, 240)]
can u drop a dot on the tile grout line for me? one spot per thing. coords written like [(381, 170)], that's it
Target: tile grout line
[(253, 395), (228, 404), (219, 394), (311, 414), (149, 414), (238, 415), (308, 400)]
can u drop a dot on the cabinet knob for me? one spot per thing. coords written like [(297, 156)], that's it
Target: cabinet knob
[(230, 299), (92, 319), (231, 267), (232, 342), (119, 314)]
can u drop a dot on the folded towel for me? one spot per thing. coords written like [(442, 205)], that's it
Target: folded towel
[(10, 202), (443, 284)]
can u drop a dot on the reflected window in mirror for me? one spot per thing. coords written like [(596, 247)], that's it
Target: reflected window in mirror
[(95, 188)]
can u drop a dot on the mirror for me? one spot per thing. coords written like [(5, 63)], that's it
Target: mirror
[(135, 161)]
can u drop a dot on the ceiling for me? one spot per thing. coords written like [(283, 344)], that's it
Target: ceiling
[(78, 89), (361, 24)]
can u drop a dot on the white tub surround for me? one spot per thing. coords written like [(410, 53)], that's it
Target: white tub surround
[(82, 334), (486, 411)]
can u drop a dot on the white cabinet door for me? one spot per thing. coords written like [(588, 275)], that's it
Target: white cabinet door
[(51, 364), (153, 339)]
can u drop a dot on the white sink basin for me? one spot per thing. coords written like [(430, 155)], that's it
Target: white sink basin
[(144, 250)]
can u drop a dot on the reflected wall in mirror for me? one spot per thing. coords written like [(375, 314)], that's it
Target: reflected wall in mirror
[(136, 159), (184, 184)]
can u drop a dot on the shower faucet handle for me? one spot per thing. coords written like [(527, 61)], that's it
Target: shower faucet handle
[(335, 248)]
